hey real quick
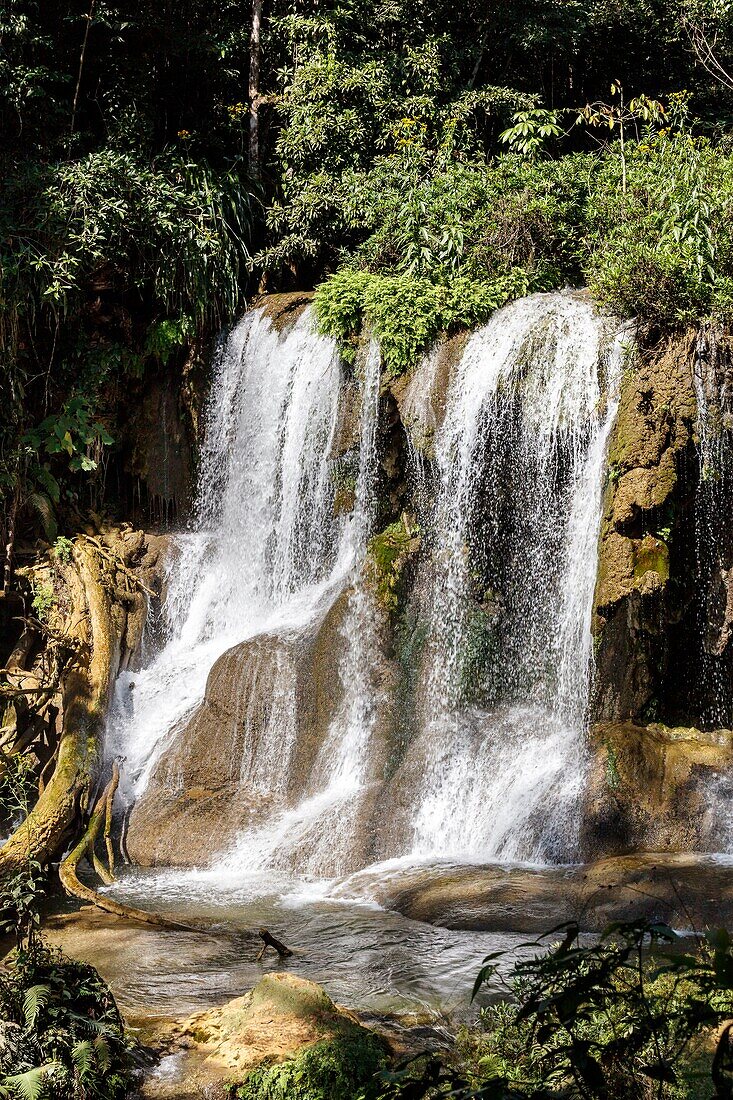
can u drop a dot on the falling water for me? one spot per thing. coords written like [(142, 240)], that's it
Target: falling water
[(713, 540), (520, 460), (264, 552), (317, 835), (497, 763)]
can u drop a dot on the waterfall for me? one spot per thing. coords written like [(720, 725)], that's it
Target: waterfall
[(268, 572), (713, 557), (264, 552), (520, 459), (317, 835)]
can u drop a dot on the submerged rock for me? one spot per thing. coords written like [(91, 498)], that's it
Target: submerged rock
[(689, 892)]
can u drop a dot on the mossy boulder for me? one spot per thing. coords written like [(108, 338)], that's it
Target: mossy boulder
[(651, 454), (286, 1038), (389, 553), (340, 1068)]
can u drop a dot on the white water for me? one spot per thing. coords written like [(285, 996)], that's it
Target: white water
[(265, 553), (316, 835), (520, 460), (520, 456)]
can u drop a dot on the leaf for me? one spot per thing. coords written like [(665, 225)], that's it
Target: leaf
[(30, 1085), (43, 506), (35, 998)]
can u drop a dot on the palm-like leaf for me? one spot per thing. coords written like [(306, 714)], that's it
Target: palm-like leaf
[(31, 1084), (41, 502)]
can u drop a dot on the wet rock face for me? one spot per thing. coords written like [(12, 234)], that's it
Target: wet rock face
[(227, 768), (650, 457), (650, 788), (421, 393)]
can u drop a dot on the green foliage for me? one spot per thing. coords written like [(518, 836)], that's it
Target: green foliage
[(340, 1068), (530, 131), (44, 599), (631, 1014), (62, 549), (63, 1037), (405, 314)]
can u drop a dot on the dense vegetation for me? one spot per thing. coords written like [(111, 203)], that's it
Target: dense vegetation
[(638, 1013), (420, 163), (159, 164)]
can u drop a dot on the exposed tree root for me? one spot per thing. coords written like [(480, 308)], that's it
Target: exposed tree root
[(85, 693), (75, 888)]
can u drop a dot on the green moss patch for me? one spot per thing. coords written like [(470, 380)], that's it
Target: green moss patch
[(389, 553), (340, 1068)]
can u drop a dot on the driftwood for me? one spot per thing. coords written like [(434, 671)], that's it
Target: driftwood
[(270, 941)]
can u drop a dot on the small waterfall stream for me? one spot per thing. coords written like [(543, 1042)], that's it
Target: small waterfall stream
[(316, 836), (264, 553), (520, 461)]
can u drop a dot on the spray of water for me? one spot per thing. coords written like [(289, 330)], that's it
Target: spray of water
[(265, 553)]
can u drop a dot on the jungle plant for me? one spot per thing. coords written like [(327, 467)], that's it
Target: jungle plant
[(530, 131), (631, 1014)]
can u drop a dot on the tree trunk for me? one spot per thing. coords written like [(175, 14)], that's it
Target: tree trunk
[(82, 56), (10, 546), (86, 691), (254, 90)]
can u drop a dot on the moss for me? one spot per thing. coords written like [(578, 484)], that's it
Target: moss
[(651, 556), (613, 778), (389, 553), (332, 1069), (478, 649)]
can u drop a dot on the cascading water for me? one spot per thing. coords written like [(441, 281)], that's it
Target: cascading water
[(713, 539), (317, 835), (497, 763), (520, 459), (265, 552)]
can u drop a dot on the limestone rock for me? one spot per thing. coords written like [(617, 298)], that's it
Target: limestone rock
[(684, 890), (282, 1014), (421, 393), (649, 788)]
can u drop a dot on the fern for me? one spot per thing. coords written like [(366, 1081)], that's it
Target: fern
[(30, 1085), (33, 1001), (82, 1055), (104, 1054), (41, 503)]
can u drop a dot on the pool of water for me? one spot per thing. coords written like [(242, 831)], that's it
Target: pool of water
[(366, 957)]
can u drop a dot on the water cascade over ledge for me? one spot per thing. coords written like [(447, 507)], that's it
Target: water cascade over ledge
[(520, 462), (262, 734)]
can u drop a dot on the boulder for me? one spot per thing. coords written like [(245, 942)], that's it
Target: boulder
[(687, 891)]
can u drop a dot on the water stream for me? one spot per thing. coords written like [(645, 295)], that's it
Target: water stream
[(520, 459)]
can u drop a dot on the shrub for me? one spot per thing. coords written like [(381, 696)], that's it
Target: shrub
[(340, 1068)]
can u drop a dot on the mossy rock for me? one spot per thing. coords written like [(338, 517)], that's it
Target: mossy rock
[(389, 553), (340, 1068)]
